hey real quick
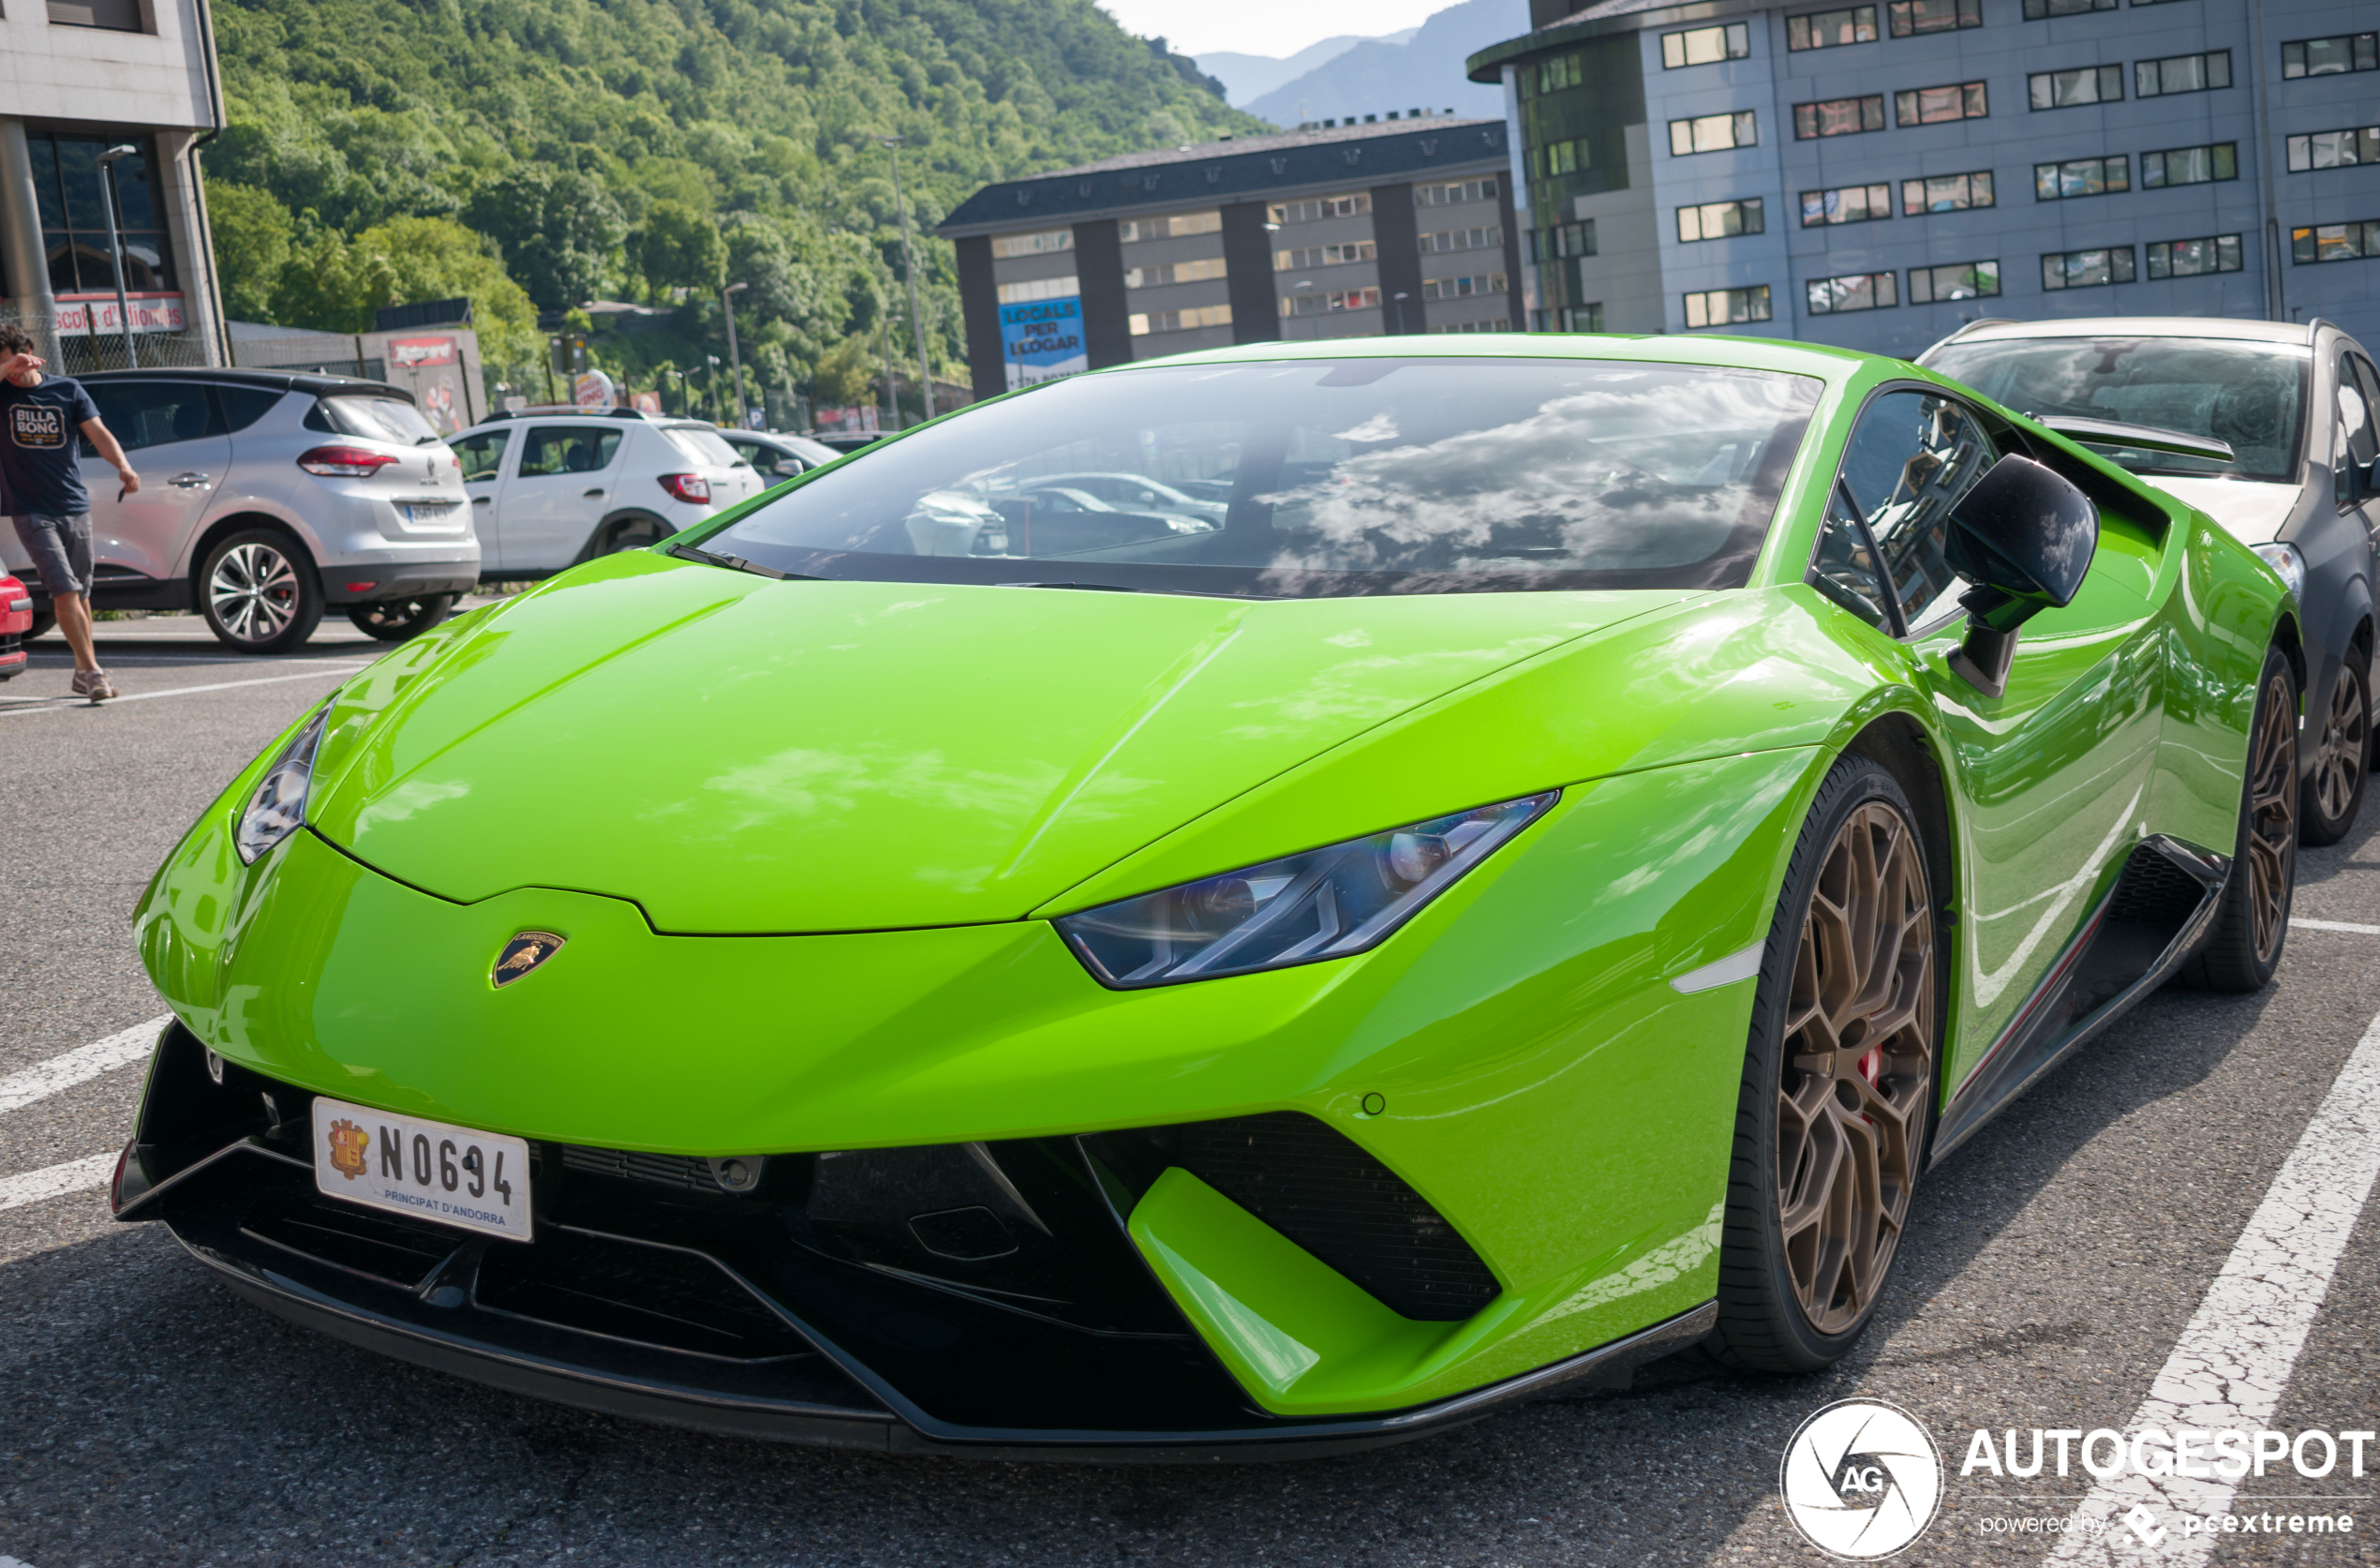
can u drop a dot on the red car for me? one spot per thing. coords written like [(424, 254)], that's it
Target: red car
[(16, 624)]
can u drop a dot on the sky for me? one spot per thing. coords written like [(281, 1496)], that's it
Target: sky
[(1274, 28)]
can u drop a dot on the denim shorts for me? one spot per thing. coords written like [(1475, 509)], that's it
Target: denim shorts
[(60, 548)]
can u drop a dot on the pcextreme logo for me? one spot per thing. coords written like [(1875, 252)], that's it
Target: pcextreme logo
[(1861, 1480)]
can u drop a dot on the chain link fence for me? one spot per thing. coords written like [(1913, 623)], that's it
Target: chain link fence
[(78, 353)]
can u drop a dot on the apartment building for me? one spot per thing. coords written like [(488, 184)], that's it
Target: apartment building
[(1387, 227), (1873, 174)]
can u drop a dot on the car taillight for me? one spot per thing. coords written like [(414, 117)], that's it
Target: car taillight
[(687, 486), (351, 462)]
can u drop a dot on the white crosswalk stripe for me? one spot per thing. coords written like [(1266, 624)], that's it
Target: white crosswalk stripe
[(80, 1064), (2297, 923), (56, 1181)]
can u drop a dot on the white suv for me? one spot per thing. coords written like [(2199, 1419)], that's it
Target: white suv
[(551, 489)]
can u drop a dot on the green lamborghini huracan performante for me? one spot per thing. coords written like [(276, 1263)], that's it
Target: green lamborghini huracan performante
[(1252, 903)]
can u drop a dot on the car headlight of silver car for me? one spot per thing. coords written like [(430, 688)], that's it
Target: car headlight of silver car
[(1322, 903), (2285, 559), (277, 809)]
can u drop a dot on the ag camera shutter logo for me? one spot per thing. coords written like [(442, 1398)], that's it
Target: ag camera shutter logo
[(1861, 1480)]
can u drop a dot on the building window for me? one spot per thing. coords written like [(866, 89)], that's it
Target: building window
[(1846, 205), (2036, 9), (2349, 52), (1931, 106), (1321, 256), (1712, 133), (1946, 193), (1317, 208), (2190, 166), (1831, 29), (1719, 221), (2191, 258), (1493, 323), (1457, 193), (1463, 288), (1561, 240), (2181, 73), (2335, 242), (1040, 288), (2087, 269), (1583, 318), (1048, 242), (1557, 157), (1835, 117), (1865, 291), (1175, 272), (2066, 89), (1135, 229), (1703, 46), (1934, 16), (1486, 238), (2081, 176), (115, 16), (1719, 308), (1554, 75), (2334, 149), (1322, 302), (1145, 322), (70, 200), (1954, 281)]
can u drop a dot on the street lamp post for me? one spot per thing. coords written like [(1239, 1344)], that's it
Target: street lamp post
[(909, 266), (1306, 291), (115, 252), (711, 374), (736, 360), (1400, 313)]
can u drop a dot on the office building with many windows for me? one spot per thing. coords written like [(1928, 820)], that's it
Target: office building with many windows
[(76, 81), (1874, 174), (1393, 226)]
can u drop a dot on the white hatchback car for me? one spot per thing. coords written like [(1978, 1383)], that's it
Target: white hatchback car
[(551, 489)]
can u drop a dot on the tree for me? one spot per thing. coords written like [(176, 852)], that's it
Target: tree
[(680, 247), (334, 284), (558, 228), (252, 234)]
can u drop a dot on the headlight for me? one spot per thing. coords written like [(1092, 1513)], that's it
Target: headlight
[(2285, 559), (278, 808), (1323, 904)]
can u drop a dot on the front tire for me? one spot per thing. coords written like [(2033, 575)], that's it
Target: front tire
[(2252, 923), (634, 532), (2334, 787), (259, 592), (397, 619), (1838, 1086)]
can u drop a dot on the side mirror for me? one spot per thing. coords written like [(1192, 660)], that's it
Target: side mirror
[(2024, 535)]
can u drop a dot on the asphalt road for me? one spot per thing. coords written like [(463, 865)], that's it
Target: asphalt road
[(147, 1417)]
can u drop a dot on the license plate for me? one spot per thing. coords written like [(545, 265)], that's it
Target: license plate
[(434, 511), (449, 1175)]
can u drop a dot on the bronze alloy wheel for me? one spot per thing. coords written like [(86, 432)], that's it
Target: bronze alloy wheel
[(2347, 744), (1859, 1065), (2273, 815)]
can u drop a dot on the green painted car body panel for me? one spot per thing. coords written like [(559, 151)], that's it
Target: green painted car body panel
[(889, 791)]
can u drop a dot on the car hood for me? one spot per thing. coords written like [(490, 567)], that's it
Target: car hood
[(2252, 511), (738, 754)]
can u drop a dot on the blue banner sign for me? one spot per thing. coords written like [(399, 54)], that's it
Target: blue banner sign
[(1042, 339)]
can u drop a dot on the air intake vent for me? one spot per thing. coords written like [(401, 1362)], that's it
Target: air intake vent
[(1325, 1193)]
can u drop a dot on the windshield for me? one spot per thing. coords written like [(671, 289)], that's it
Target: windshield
[(2252, 394), (702, 444), (379, 419), (1308, 478)]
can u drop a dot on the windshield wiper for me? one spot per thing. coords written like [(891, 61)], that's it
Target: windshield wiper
[(737, 563), (1119, 588)]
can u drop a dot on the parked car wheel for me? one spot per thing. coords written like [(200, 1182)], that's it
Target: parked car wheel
[(2244, 948), (43, 623), (258, 591), (2334, 790), (396, 620), (631, 532), (1838, 1084)]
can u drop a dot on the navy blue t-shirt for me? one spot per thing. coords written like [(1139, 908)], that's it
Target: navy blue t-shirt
[(41, 461)]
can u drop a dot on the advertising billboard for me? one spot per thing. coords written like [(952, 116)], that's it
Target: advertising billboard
[(1042, 339)]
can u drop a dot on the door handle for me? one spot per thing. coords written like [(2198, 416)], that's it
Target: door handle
[(593, 495), (482, 501), (189, 480)]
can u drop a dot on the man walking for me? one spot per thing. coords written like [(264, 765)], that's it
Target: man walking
[(42, 476)]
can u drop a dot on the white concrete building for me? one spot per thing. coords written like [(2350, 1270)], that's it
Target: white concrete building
[(78, 78)]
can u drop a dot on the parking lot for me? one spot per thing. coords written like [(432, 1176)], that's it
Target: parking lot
[(2056, 1264)]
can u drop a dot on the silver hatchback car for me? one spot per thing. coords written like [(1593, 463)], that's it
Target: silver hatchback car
[(265, 498)]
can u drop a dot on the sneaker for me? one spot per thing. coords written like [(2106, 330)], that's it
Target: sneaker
[(93, 684)]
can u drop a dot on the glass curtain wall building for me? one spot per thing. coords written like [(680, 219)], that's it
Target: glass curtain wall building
[(1875, 174)]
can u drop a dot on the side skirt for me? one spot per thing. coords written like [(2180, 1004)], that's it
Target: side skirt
[(2140, 932)]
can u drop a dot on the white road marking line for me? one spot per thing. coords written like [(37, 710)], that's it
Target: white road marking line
[(2297, 923), (12, 1563), (2232, 1364), (75, 1175), (80, 1064), (51, 705)]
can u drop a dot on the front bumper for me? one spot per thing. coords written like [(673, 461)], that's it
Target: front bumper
[(983, 1298)]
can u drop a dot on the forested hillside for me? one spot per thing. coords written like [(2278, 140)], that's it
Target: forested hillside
[(537, 154)]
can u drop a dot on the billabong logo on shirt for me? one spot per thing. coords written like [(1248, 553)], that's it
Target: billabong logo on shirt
[(40, 426)]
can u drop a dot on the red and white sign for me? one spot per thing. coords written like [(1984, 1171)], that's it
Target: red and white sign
[(593, 390), (150, 313), (416, 354)]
